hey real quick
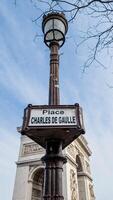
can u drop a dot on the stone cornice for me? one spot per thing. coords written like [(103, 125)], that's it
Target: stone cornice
[(29, 162), (84, 174)]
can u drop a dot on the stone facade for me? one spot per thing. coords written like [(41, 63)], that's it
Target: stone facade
[(77, 181)]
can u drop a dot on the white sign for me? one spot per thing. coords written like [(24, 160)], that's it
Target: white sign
[(52, 117)]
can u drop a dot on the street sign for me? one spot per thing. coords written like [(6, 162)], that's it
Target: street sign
[(58, 121), (52, 117)]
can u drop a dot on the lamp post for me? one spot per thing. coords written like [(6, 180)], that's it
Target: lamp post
[(54, 27), (53, 126)]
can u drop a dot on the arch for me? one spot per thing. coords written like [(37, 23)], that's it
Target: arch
[(37, 178), (79, 164), (34, 171)]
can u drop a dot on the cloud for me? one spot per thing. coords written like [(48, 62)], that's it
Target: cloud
[(99, 127), (23, 88), (14, 62), (9, 146), (102, 164)]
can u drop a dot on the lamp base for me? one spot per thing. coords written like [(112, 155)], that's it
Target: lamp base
[(54, 161)]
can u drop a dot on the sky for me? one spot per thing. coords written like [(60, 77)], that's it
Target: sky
[(24, 74)]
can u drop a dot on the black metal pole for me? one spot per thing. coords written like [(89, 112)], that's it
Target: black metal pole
[(54, 96), (54, 158)]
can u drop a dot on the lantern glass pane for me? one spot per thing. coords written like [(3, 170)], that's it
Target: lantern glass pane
[(59, 25), (49, 36), (58, 35), (48, 25), (60, 43)]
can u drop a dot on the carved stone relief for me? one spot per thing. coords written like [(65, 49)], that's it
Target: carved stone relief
[(88, 167), (80, 154), (31, 148), (92, 196), (73, 185), (72, 150)]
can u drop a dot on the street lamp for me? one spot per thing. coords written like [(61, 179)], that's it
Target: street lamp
[(53, 126), (54, 27)]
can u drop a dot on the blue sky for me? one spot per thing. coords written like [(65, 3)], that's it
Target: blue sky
[(24, 73)]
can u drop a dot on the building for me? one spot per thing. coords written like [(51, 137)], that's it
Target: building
[(77, 180)]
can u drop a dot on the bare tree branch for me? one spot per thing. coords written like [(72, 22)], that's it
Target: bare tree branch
[(100, 30)]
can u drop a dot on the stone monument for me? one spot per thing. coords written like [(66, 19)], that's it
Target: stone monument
[(77, 180)]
